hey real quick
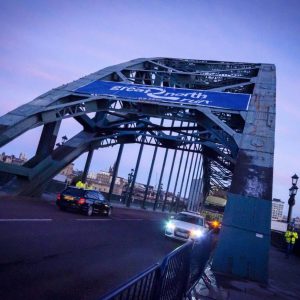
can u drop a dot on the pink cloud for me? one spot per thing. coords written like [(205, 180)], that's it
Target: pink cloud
[(31, 71)]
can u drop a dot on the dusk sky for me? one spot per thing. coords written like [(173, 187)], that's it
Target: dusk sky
[(44, 44)]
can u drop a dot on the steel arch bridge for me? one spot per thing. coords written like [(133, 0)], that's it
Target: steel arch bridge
[(226, 112)]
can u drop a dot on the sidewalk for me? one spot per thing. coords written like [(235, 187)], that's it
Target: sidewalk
[(283, 284)]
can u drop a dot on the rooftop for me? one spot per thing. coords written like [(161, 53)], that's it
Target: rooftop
[(277, 200)]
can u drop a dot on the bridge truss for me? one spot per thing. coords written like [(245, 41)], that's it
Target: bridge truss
[(236, 145)]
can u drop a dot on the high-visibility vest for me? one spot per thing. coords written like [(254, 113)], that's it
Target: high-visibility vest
[(291, 236), (80, 185)]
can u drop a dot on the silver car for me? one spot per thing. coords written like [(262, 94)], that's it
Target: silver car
[(186, 226)]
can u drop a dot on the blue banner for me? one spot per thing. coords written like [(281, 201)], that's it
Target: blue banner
[(144, 93)]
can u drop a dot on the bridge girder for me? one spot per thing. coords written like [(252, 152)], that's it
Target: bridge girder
[(237, 145), (218, 130)]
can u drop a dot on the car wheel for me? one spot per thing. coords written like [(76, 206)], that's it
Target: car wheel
[(62, 208), (90, 211)]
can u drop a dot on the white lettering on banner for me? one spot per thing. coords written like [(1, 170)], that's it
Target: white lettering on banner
[(160, 93), (180, 96)]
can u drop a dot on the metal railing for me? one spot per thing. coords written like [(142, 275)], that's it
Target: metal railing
[(173, 278)]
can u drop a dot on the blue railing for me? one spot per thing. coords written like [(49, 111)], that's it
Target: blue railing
[(173, 278)]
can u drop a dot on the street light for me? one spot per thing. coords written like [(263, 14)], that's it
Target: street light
[(295, 179), (292, 193), (64, 139)]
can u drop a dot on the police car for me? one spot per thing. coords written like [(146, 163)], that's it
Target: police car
[(186, 226)]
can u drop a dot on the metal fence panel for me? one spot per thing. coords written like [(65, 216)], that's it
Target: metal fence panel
[(173, 279), (200, 254), (175, 273), (139, 287)]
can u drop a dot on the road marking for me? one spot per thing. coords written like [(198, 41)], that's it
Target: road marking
[(92, 219), (119, 219), (113, 219), (25, 220)]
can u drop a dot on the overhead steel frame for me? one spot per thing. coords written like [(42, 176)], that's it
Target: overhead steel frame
[(237, 146)]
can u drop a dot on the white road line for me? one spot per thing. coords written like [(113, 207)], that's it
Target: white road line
[(113, 219), (128, 219), (25, 220), (92, 219)]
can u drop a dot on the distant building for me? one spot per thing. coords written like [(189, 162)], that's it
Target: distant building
[(92, 175), (68, 170), (119, 185), (11, 159), (277, 209), (104, 178)]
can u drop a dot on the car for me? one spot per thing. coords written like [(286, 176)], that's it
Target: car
[(86, 201), (214, 225), (186, 226)]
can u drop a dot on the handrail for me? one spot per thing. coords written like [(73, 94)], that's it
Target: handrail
[(131, 282), (173, 278)]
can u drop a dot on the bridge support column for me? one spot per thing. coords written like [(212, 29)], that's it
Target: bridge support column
[(244, 241), (115, 172), (87, 165), (131, 190)]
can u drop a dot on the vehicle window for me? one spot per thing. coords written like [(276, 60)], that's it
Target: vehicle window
[(189, 219), (92, 195), (101, 197), (73, 192)]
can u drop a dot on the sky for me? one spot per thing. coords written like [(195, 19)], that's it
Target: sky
[(44, 44)]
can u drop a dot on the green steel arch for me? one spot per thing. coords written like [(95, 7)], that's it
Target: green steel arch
[(237, 143)]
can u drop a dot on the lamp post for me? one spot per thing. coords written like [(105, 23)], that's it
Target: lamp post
[(292, 193), (130, 178), (63, 140)]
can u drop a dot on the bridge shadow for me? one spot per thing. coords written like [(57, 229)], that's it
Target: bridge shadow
[(283, 283)]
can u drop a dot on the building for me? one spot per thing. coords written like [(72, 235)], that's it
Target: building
[(92, 175), (102, 181), (104, 178), (11, 159), (277, 209), (68, 170)]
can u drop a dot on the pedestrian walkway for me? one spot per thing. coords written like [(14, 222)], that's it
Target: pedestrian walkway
[(283, 283)]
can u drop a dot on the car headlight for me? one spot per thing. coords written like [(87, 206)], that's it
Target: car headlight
[(196, 233), (170, 225)]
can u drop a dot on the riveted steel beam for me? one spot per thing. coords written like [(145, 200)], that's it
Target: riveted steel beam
[(236, 142)]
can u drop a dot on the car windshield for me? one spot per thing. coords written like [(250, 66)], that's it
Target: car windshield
[(189, 219), (74, 192), (102, 198)]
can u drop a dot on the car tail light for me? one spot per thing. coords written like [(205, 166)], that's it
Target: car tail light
[(58, 197), (81, 201), (215, 224)]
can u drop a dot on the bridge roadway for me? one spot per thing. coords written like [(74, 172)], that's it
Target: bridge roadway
[(49, 254)]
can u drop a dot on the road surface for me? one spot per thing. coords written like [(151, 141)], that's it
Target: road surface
[(49, 254)]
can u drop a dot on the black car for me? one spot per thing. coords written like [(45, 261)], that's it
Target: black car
[(85, 201)]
